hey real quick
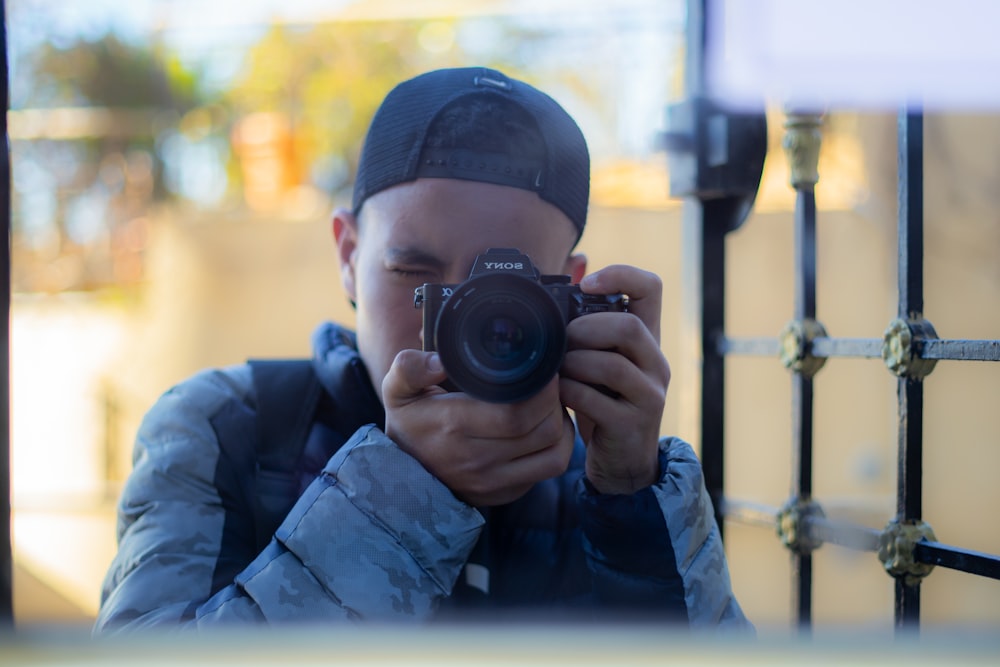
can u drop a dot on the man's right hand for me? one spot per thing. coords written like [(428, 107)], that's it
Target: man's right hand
[(486, 453)]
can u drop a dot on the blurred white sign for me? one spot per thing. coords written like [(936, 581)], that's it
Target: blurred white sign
[(942, 54)]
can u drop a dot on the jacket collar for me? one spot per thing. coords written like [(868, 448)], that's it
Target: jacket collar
[(344, 376)]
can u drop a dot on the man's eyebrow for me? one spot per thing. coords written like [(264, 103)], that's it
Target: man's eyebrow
[(412, 256)]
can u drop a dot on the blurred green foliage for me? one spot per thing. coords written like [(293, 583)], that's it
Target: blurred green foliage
[(108, 72)]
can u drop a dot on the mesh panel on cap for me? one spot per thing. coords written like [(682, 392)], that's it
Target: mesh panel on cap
[(396, 136)]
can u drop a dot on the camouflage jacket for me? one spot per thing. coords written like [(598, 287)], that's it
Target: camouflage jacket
[(373, 536)]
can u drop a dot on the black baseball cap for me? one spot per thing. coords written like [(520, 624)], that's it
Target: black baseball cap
[(394, 151)]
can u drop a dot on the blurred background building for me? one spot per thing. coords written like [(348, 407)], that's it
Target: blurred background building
[(174, 166)]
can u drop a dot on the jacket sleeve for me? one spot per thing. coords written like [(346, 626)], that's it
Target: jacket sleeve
[(659, 550), (373, 537)]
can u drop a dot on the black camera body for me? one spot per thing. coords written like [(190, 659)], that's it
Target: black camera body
[(501, 334)]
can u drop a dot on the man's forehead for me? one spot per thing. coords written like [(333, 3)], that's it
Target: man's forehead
[(442, 221)]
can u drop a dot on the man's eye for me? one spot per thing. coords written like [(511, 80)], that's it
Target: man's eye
[(408, 273)]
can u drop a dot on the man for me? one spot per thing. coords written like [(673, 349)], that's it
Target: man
[(413, 502)]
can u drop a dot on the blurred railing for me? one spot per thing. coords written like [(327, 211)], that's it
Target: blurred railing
[(715, 164)]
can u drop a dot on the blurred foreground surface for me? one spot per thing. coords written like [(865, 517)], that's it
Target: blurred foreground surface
[(505, 644)]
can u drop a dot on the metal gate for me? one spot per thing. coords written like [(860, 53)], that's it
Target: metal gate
[(716, 158)]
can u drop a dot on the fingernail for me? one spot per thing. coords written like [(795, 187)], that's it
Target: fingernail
[(434, 363)]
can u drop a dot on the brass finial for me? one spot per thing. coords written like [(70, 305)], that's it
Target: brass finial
[(801, 143)]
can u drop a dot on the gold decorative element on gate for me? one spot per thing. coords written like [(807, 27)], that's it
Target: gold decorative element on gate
[(793, 525), (796, 346), (801, 143), (896, 548), (900, 348)]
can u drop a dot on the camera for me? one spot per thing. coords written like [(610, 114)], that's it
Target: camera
[(501, 334)]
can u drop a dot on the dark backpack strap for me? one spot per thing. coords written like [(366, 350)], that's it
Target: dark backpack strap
[(288, 393)]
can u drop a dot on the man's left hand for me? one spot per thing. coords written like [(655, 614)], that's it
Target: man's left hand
[(615, 378)]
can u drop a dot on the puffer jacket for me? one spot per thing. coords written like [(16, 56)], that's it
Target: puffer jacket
[(374, 536)]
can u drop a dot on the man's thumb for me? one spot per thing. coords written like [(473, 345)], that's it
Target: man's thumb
[(412, 373)]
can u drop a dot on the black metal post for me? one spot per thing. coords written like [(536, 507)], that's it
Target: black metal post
[(6, 553), (715, 159), (713, 370), (704, 248), (802, 391), (911, 305)]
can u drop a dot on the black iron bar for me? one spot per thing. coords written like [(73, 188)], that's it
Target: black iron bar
[(802, 398), (955, 558), (910, 185), (821, 347), (961, 350), (752, 347), (713, 379), (802, 393), (910, 190), (805, 253), (842, 533), (749, 513), (865, 348)]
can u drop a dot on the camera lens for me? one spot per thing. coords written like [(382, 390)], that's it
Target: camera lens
[(501, 337)]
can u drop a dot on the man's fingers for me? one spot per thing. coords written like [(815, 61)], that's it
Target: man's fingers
[(628, 336), (413, 373), (644, 290)]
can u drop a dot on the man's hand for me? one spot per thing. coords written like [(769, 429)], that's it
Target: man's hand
[(486, 453), (615, 378)]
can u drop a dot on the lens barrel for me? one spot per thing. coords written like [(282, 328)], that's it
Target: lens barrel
[(501, 337)]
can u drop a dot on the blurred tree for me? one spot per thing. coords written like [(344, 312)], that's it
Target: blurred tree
[(87, 116), (107, 72)]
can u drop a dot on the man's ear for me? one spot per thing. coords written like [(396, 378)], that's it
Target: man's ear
[(575, 267), (345, 234)]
